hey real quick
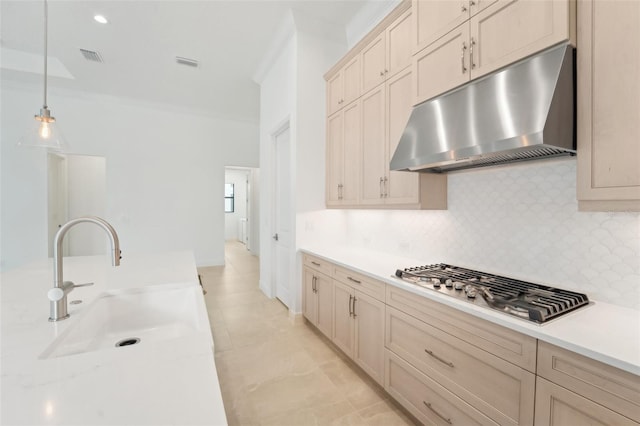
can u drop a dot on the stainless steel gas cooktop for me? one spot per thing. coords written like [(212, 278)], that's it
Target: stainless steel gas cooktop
[(530, 301)]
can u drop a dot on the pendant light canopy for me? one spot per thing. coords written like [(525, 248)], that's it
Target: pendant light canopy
[(44, 132)]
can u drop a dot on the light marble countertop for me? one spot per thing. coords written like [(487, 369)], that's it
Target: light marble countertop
[(170, 382), (602, 331)]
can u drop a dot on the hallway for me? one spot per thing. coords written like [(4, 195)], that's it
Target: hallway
[(274, 370)]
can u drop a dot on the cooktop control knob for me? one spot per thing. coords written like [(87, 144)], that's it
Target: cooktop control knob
[(436, 283), (471, 294), (458, 285), (448, 283)]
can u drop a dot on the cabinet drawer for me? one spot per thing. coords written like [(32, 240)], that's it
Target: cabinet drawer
[(360, 282), (318, 264), (425, 398), (502, 391), (604, 384), (556, 405), (502, 342)]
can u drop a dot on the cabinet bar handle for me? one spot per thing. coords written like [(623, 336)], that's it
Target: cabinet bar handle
[(473, 43), (386, 193), (315, 263), (350, 311), (450, 364), (314, 284), (428, 405), (354, 280), (464, 8), (381, 180), (464, 48), (354, 306)]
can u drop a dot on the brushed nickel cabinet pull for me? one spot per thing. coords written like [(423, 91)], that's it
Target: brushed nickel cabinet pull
[(428, 405), (473, 43), (386, 189), (381, 181), (354, 280), (464, 48), (354, 306), (350, 311), (450, 364), (315, 263), (464, 8)]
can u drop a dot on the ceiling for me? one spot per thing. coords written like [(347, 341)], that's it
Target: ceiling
[(229, 38)]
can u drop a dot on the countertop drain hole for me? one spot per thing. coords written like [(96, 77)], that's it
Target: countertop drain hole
[(128, 342)]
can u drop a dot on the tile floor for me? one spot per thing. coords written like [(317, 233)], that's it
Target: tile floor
[(275, 370)]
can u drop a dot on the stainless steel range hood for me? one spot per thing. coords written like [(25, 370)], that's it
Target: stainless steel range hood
[(523, 112)]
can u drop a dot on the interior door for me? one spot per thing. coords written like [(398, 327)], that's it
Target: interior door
[(282, 232)]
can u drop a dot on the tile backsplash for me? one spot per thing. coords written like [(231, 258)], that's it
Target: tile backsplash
[(520, 220)]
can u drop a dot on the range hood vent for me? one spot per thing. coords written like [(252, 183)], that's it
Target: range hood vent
[(524, 112), (187, 61)]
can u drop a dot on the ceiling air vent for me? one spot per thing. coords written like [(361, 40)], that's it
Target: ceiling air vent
[(186, 61), (90, 55)]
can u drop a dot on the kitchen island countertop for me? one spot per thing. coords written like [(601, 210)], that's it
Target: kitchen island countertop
[(602, 331), (157, 383)]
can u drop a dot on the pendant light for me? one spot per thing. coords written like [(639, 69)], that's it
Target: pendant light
[(44, 132)]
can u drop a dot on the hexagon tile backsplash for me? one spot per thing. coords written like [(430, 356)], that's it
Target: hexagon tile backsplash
[(522, 221)]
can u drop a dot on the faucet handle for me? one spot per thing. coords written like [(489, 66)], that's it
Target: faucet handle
[(55, 294), (82, 285)]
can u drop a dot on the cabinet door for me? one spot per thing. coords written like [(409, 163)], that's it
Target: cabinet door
[(513, 29), (435, 18), (351, 154), (401, 187), (399, 49), (443, 65), (373, 63), (556, 405), (351, 73), (324, 295), (609, 107), (335, 93), (335, 159), (369, 335), (310, 304), (343, 327), (373, 146)]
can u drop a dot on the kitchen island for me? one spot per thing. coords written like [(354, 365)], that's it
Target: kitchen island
[(165, 380)]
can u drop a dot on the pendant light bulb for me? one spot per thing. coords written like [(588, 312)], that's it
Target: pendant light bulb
[(44, 133)]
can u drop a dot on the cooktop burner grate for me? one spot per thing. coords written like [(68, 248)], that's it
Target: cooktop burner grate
[(535, 302)]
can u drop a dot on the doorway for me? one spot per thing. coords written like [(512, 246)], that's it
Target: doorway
[(76, 187), (241, 206), (282, 231)]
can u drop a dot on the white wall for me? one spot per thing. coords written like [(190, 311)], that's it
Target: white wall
[(520, 220), (277, 106), (165, 171), (232, 220)]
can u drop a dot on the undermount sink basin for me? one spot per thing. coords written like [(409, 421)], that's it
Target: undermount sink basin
[(133, 317)]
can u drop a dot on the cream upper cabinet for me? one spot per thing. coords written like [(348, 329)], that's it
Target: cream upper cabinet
[(435, 18), (500, 33), (344, 87), (343, 156), (385, 112), (373, 146), (374, 63), (608, 63), (399, 49)]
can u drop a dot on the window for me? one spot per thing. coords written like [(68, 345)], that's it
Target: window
[(228, 198)]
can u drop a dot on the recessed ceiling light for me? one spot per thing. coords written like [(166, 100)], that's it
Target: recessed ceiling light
[(101, 19)]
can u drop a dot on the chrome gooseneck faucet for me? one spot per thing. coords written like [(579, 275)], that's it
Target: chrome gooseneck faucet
[(58, 294)]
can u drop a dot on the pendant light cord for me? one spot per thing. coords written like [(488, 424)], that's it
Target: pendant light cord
[(46, 21)]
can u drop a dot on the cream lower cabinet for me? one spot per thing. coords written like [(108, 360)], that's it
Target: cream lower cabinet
[(502, 33), (575, 390), (358, 327), (608, 63), (318, 300), (385, 112)]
